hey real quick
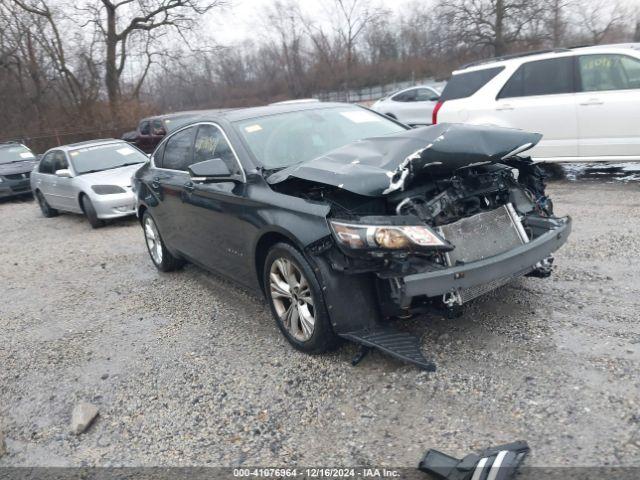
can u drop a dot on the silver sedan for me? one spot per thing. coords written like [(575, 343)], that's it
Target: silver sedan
[(91, 178), (412, 106)]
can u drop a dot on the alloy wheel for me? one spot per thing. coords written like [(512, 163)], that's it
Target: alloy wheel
[(152, 237), (291, 296)]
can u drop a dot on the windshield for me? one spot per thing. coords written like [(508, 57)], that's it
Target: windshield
[(15, 153), (105, 157), (286, 139)]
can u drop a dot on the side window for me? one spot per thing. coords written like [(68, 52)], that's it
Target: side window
[(425, 95), (608, 72), (158, 154), (544, 77), (464, 85), (158, 128), (178, 154), (406, 96), (631, 66), (59, 161), (46, 164), (210, 143), (145, 128)]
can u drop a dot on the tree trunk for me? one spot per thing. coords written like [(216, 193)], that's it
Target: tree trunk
[(112, 76), (499, 48)]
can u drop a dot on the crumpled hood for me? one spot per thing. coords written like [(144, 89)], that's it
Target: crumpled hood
[(380, 165), (17, 167)]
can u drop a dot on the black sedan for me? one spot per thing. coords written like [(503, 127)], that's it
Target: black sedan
[(16, 164), (345, 219)]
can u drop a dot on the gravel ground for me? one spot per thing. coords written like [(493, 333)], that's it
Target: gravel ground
[(188, 369)]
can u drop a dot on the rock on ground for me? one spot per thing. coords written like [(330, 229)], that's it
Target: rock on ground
[(82, 416)]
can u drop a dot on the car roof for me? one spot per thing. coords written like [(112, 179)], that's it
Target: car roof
[(183, 114), (523, 57), (88, 143), (257, 112)]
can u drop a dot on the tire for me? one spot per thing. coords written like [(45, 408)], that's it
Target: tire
[(47, 211), (90, 212), (296, 300), (160, 256)]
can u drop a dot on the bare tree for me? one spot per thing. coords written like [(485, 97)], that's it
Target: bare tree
[(493, 24), (126, 21), (598, 18), (282, 25)]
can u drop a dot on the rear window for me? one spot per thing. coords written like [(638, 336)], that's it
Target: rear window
[(464, 85), (544, 77)]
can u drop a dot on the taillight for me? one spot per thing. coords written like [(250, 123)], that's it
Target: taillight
[(434, 115)]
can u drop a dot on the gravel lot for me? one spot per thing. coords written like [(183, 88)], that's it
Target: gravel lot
[(188, 369)]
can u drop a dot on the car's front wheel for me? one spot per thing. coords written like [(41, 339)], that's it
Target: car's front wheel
[(45, 208), (160, 255), (90, 212), (296, 300)]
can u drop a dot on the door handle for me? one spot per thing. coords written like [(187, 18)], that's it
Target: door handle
[(592, 101), (504, 107), (189, 187), (155, 183)]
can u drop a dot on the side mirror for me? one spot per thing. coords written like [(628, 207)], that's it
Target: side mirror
[(64, 173), (214, 170), (435, 98)]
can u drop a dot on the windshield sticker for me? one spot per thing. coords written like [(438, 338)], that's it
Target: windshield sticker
[(361, 116), (252, 128), (125, 151), (27, 155)]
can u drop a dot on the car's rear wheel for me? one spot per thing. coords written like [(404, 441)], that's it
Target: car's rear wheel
[(90, 212), (160, 256), (46, 209), (296, 300)]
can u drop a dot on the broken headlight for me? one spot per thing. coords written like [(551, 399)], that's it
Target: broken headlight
[(389, 237)]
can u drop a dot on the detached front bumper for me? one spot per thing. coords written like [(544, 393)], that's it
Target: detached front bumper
[(475, 278), (115, 205)]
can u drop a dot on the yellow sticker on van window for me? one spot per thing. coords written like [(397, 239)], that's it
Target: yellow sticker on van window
[(252, 128)]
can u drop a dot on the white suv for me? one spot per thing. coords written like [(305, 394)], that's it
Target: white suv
[(585, 101)]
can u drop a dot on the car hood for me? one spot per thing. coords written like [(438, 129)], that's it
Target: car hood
[(17, 167), (116, 176), (380, 165)]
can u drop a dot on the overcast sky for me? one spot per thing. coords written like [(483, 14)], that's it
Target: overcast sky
[(240, 20)]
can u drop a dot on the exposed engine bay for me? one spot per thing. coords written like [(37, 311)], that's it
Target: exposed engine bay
[(437, 198)]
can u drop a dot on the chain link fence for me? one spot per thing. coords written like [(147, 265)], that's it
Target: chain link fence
[(371, 94)]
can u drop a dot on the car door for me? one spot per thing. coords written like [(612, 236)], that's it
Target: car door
[(214, 213), (539, 97), (168, 178), (61, 190), (609, 106), (44, 176), (418, 109)]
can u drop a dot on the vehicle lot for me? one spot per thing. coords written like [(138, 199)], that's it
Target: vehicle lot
[(188, 369)]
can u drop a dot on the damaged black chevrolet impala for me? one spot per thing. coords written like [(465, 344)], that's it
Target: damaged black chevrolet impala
[(345, 219)]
